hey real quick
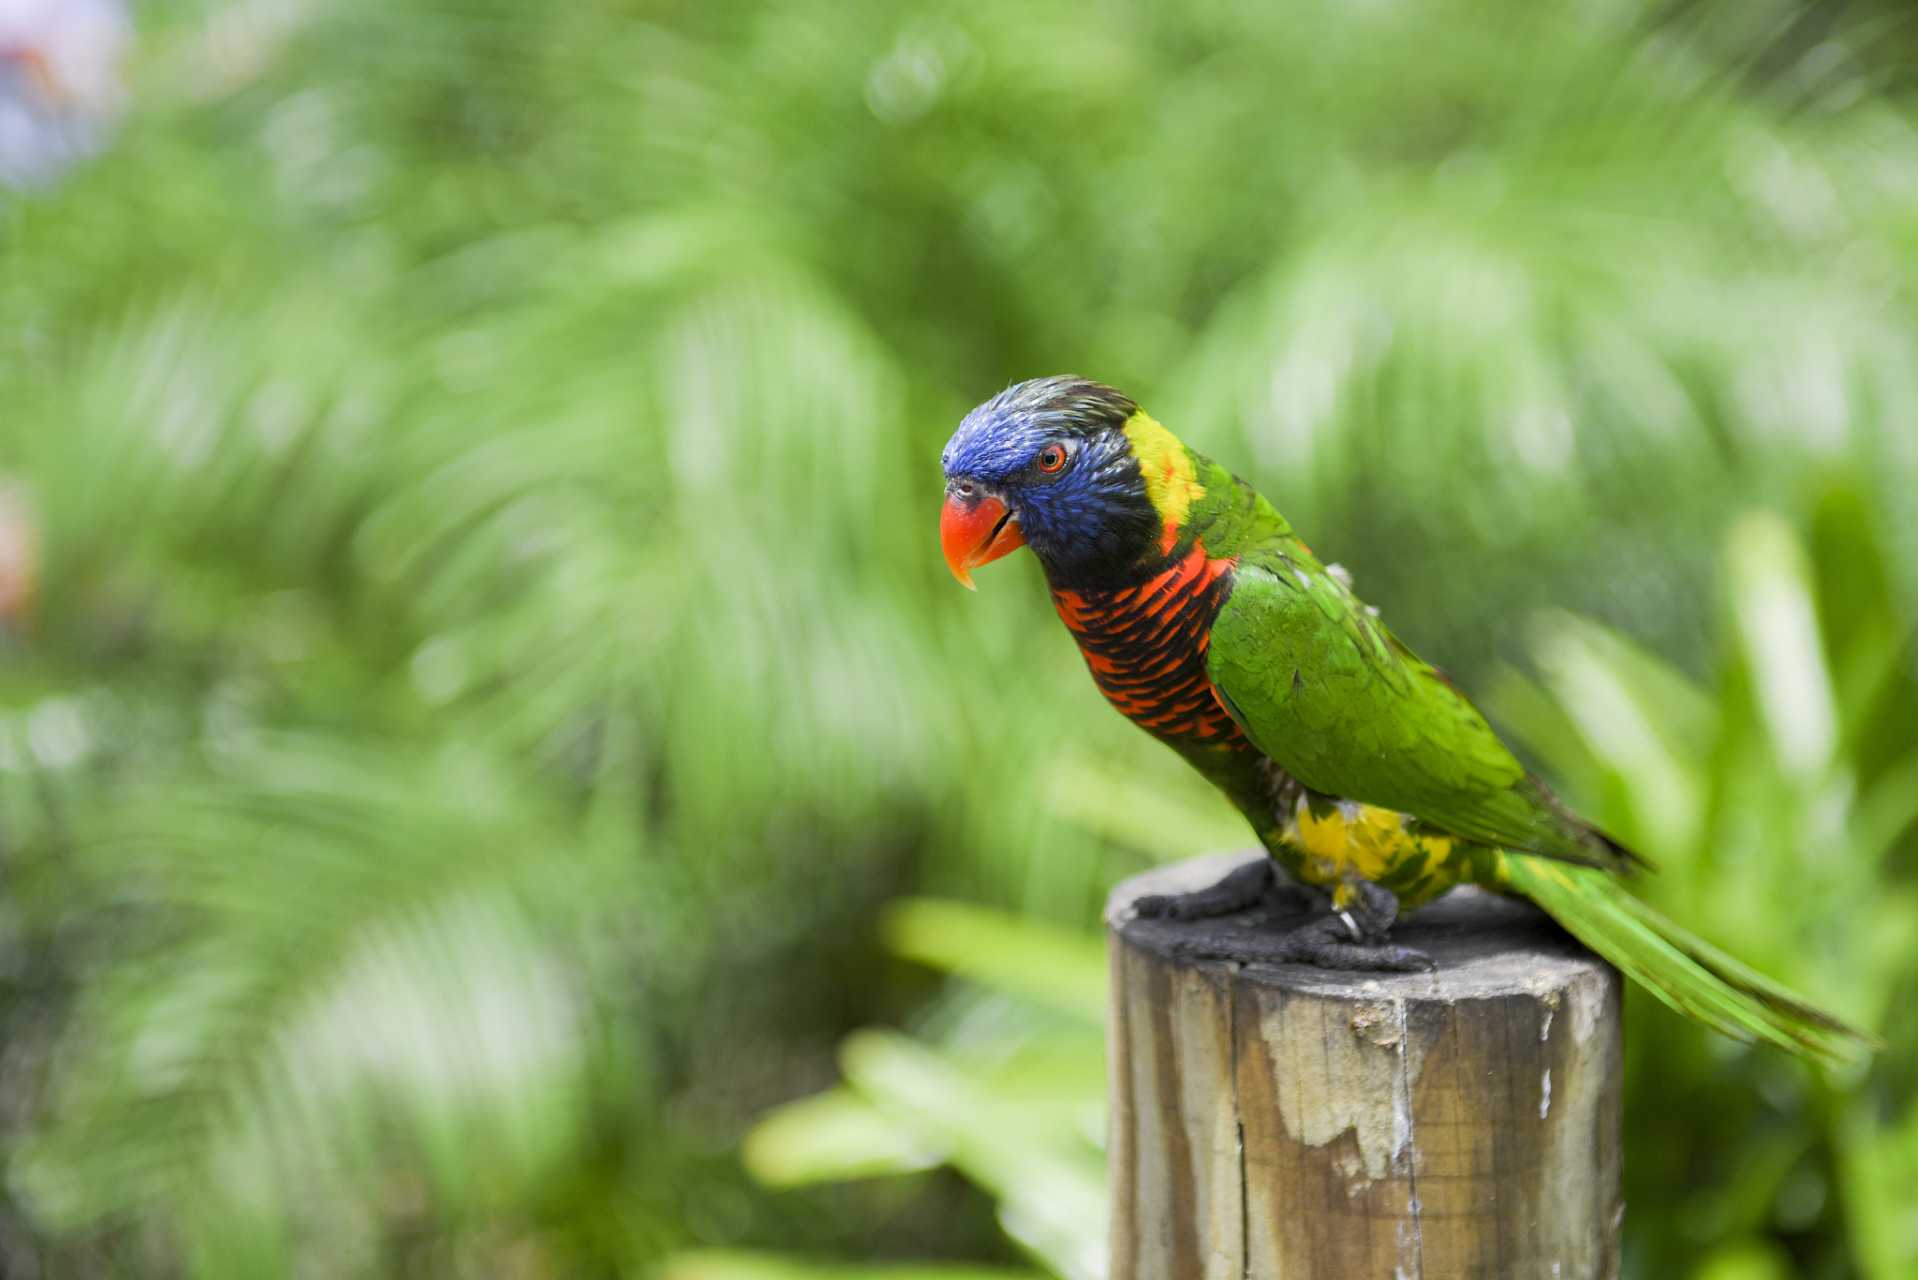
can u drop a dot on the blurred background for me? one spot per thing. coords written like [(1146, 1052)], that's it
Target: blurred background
[(496, 780)]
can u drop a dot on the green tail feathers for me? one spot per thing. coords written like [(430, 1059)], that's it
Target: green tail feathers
[(1680, 968)]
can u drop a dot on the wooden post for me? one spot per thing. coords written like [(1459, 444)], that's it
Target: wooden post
[(1280, 1122)]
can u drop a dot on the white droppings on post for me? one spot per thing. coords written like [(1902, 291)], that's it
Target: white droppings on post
[(1408, 1242), (1587, 997), (1545, 1095)]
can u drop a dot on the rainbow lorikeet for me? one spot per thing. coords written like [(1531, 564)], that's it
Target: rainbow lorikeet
[(1363, 770)]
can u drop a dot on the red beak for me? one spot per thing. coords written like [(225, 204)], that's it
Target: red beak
[(976, 533)]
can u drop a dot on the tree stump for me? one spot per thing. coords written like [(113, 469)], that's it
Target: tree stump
[(1282, 1122)]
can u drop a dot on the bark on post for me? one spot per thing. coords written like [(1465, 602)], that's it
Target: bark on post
[(1279, 1122)]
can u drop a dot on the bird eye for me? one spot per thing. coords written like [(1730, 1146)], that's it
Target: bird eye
[(1051, 458)]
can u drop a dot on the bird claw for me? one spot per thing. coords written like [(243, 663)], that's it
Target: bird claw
[(1315, 943), (1167, 906), (1410, 960), (1244, 887)]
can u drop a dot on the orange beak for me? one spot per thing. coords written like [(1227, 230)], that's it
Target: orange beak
[(976, 533)]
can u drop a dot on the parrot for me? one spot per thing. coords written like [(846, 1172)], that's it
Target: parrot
[(1365, 772)]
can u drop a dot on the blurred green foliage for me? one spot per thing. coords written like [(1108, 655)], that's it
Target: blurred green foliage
[(1778, 801), (491, 667), (1005, 1082)]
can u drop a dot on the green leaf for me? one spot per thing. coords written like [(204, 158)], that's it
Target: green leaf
[(833, 1136), (1059, 968)]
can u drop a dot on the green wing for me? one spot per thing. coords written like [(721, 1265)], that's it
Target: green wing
[(1323, 688)]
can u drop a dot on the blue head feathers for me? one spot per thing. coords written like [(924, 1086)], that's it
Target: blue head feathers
[(1054, 450)]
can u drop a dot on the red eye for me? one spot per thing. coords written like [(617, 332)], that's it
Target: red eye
[(1051, 458)]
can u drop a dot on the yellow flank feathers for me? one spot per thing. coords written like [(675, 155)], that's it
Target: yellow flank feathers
[(1370, 840), (1345, 841), (1171, 481)]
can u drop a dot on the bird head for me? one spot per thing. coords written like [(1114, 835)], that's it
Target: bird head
[(1064, 466)]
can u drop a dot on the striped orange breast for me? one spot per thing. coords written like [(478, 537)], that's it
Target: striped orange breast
[(1146, 645)]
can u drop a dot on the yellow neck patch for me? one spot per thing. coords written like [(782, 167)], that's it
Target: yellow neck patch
[(1171, 481)]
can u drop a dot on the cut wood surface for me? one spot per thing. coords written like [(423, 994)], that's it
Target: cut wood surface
[(1282, 1122)]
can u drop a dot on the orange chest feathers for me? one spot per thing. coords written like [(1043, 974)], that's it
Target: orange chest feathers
[(1146, 647)]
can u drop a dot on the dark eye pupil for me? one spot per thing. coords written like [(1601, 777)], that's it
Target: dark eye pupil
[(1052, 458)]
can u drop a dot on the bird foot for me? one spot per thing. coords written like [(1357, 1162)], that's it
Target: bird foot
[(1324, 942), (1254, 884), (1353, 938)]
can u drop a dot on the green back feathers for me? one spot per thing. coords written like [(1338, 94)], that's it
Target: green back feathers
[(1324, 688), (1320, 685)]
